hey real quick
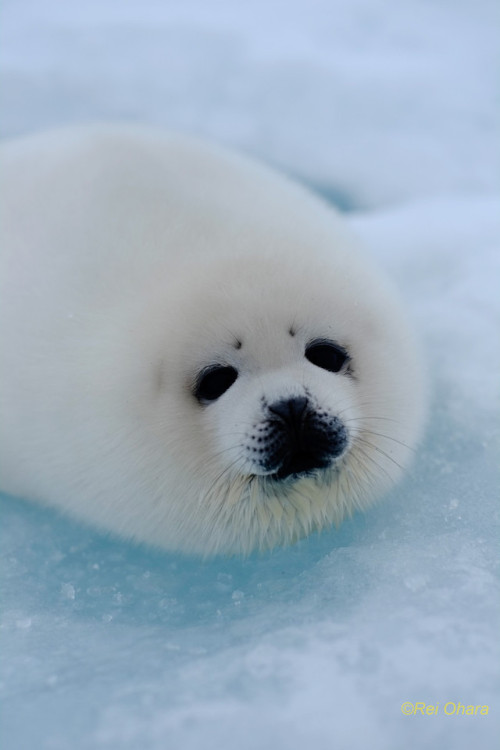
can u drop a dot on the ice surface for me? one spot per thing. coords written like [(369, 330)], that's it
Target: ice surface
[(387, 108)]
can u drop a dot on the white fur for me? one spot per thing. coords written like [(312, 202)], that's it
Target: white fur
[(131, 260)]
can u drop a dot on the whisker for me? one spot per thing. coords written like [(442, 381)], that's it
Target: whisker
[(379, 450), (389, 437), (386, 419), (218, 478), (376, 463)]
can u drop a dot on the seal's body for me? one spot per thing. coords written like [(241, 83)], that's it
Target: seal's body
[(194, 354)]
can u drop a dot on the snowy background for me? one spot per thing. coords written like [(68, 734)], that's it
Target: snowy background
[(388, 109)]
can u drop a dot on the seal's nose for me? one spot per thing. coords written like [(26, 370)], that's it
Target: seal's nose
[(290, 411), (302, 439)]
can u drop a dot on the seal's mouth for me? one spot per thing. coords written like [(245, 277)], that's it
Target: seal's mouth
[(301, 464)]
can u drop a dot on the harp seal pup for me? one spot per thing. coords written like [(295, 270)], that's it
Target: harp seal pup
[(195, 354)]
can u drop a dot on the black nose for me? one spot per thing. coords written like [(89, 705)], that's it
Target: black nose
[(302, 439), (291, 411)]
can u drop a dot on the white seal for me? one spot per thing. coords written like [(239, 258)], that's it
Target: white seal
[(194, 353)]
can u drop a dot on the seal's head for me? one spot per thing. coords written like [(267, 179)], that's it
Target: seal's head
[(199, 359), (287, 395)]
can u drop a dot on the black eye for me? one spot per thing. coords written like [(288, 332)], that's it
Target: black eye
[(214, 381), (327, 355)]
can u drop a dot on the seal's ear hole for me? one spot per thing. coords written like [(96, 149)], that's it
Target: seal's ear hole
[(327, 355), (213, 382)]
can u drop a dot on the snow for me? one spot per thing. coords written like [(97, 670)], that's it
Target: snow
[(388, 109)]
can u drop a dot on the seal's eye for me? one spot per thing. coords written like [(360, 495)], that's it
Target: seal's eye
[(327, 355), (213, 382)]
